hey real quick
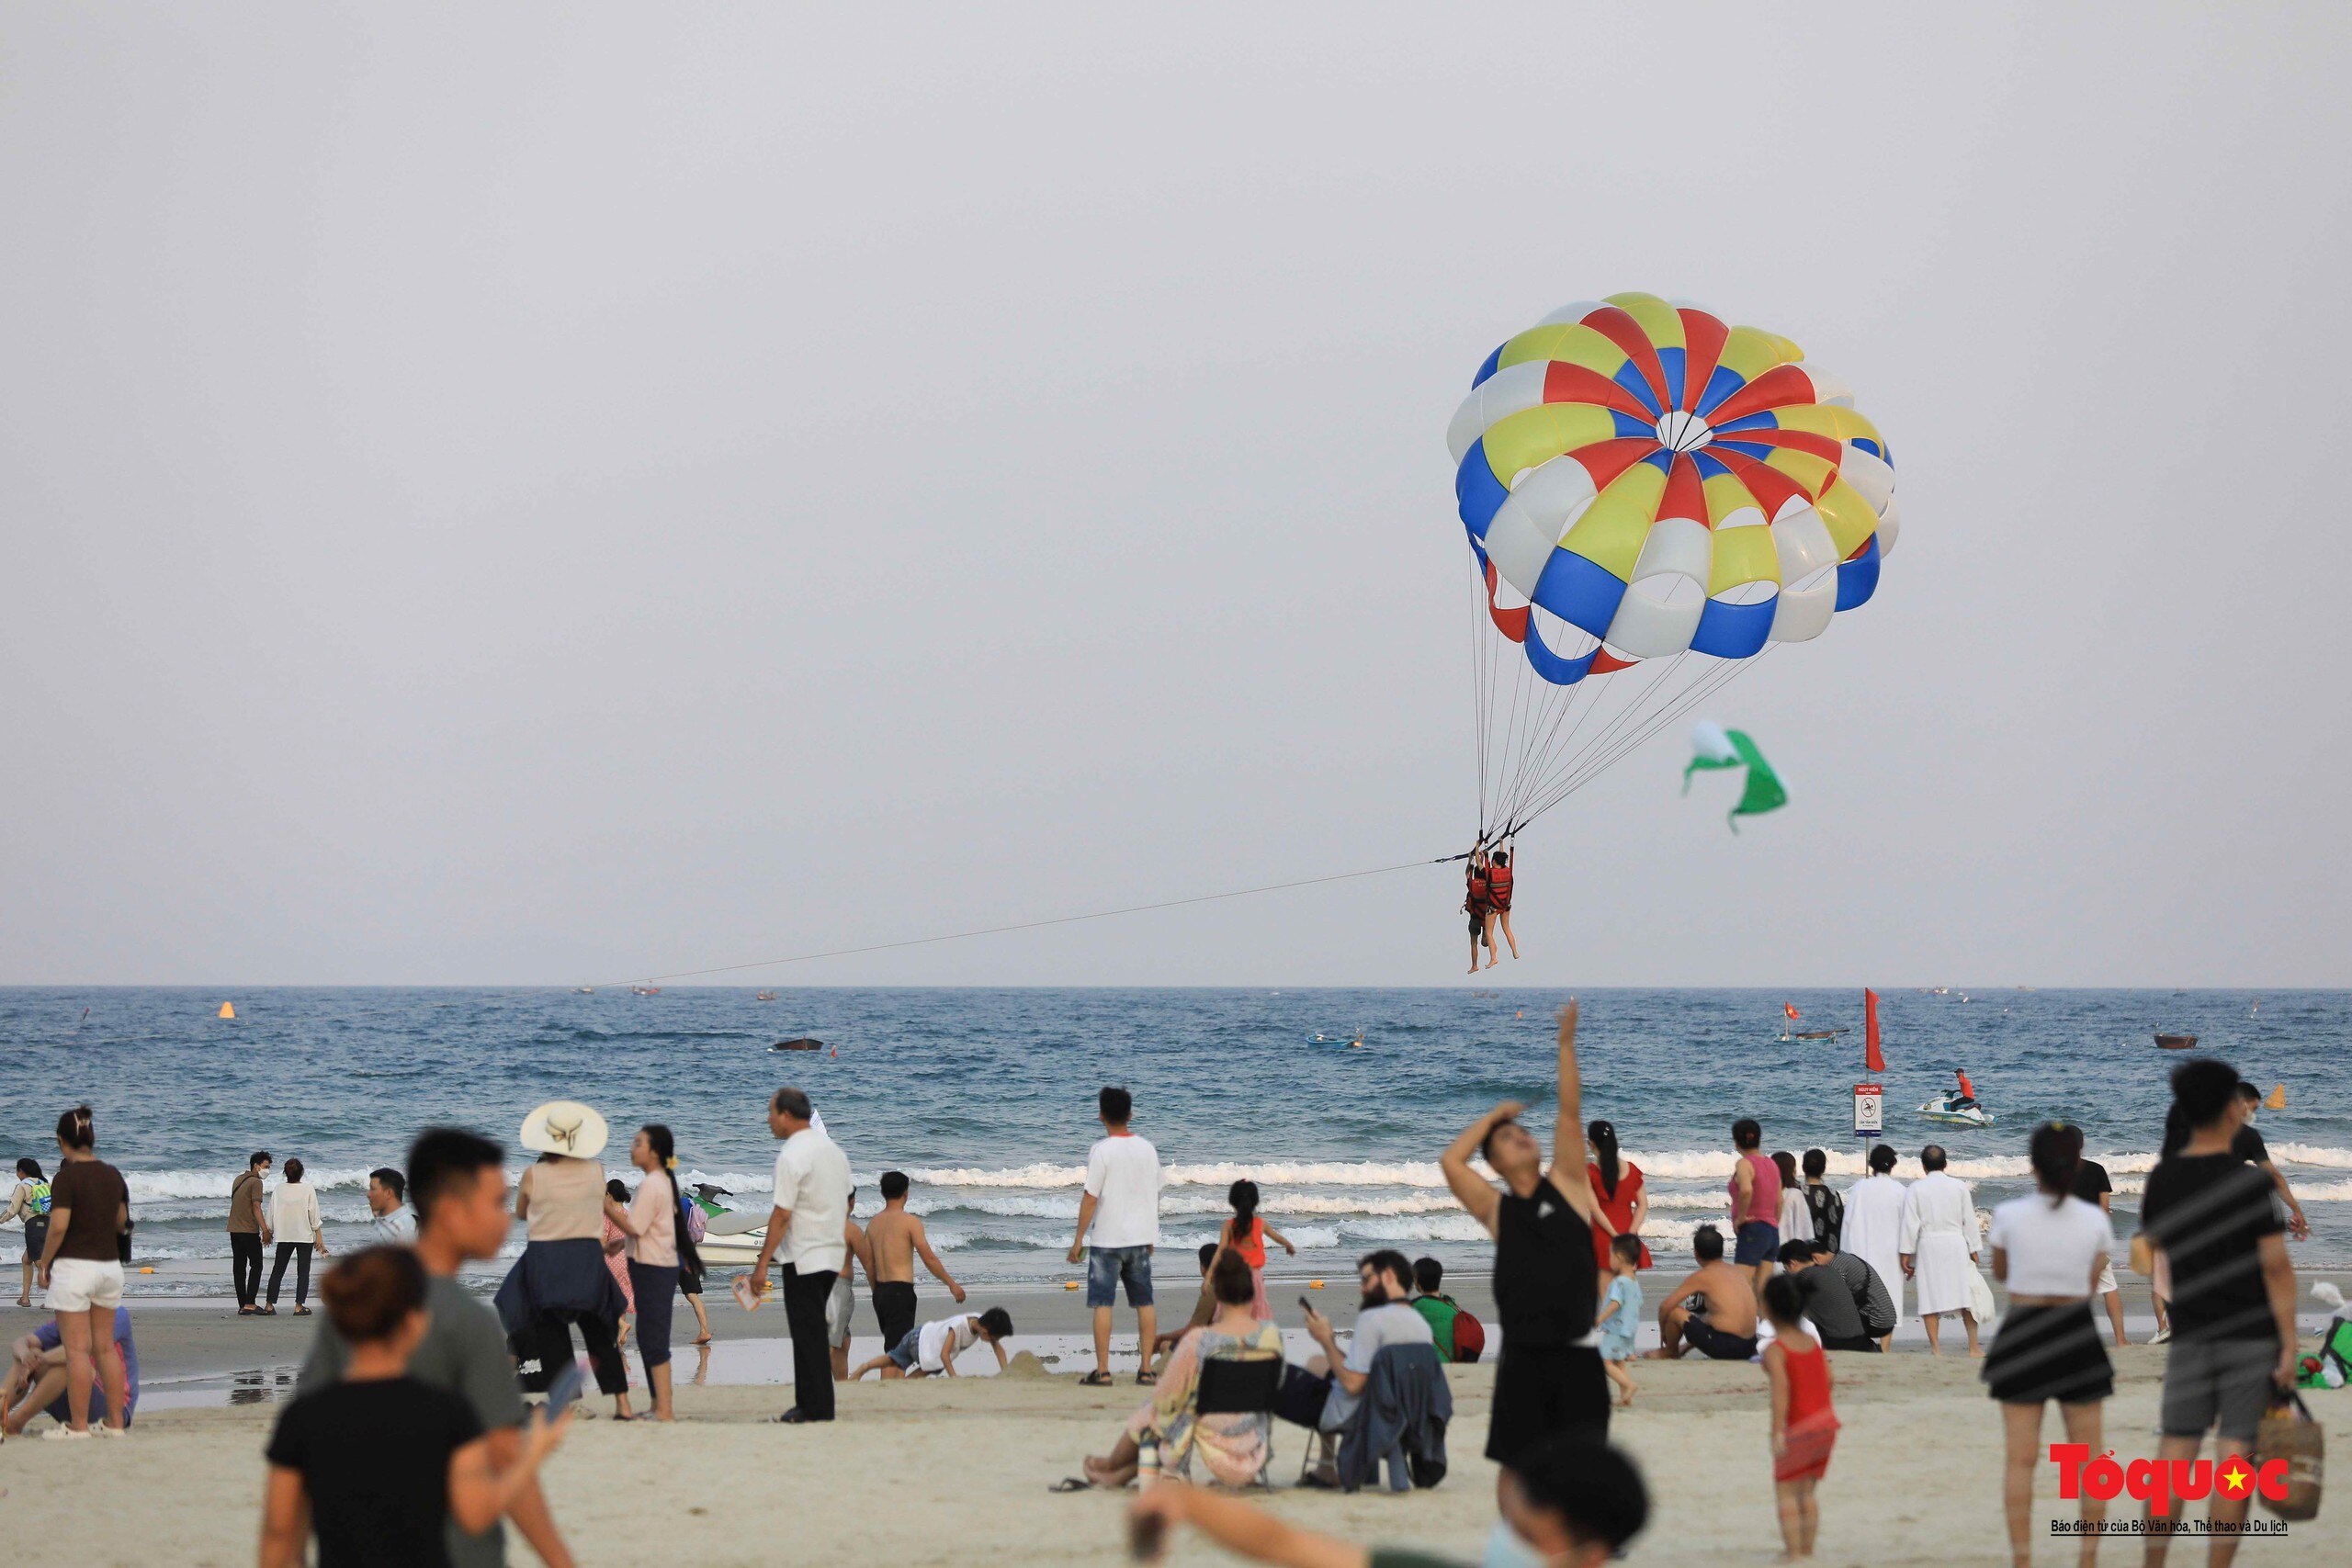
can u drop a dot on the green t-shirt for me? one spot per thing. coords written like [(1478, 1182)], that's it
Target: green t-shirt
[(463, 1351), (1440, 1311), (1390, 1557)]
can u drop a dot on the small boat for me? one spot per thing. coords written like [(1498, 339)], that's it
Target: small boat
[(584, 990), (763, 996), (1819, 1034), (2175, 1041), (803, 1043), (1944, 1109), (645, 990)]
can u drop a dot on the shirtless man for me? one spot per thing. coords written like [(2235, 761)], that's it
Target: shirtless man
[(1712, 1311), (896, 1239), (842, 1305)]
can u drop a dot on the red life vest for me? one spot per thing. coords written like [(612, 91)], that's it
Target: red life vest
[(1480, 896), (1499, 880)]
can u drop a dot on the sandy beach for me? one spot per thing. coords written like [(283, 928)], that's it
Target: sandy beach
[(938, 1471)]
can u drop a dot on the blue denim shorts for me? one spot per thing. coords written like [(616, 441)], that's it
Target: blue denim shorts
[(1757, 1243), (1107, 1266)]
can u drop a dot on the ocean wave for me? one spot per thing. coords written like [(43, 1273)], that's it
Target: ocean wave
[(1277, 1206), (1423, 1181), (2306, 1154), (1280, 1173), (164, 1185)]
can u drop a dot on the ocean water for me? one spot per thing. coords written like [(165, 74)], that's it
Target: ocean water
[(984, 1098)]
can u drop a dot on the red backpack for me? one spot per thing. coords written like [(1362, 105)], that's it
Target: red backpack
[(1469, 1337)]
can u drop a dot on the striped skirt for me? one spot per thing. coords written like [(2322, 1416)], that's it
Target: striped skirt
[(2049, 1352)]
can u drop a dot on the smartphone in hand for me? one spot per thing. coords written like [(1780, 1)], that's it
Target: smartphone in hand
[(563, 1390)]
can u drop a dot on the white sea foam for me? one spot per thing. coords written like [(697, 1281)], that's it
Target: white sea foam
[(159, 1186)]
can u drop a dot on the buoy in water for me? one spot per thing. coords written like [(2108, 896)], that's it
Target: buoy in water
[(228, 1010), (1069, 1284), (1315, 1284), (2277, 1100), (147, 1271)]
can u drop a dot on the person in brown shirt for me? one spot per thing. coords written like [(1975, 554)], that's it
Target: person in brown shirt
[(82, 1270), (245, 1231)]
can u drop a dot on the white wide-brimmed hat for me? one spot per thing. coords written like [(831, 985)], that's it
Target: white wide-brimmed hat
[(564, 1127)]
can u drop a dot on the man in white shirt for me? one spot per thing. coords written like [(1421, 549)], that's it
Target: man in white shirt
[(1939, 1246), (808, 1226), (387, 1190), (1122, 1206)]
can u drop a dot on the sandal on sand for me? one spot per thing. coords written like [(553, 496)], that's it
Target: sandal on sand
[(264, 1312), (1146, 1379), (1095, 1380), (301, 1311), (1071, 1484)]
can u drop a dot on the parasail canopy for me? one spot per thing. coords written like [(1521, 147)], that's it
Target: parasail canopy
[(1654, 499)]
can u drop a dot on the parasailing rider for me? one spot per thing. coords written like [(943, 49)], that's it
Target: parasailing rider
[(1498, 886), (1479, 902)]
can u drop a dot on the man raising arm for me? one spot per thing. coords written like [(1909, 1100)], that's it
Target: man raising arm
[(1550, 1381)]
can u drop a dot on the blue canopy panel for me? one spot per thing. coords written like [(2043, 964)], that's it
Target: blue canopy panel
[(1858, 578)]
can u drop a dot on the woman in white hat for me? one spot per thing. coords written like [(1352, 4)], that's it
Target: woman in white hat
[(562, 1279)]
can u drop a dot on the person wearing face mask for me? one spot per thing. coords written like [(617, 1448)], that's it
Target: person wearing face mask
[(1569, 1502)]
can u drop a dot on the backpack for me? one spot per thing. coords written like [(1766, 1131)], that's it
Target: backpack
[(1469, 1337), (691, 1218)]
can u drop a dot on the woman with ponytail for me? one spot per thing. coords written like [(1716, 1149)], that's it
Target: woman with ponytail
[(1622, 1195), (2049, 1248), (658, 1245), (89, 1212)]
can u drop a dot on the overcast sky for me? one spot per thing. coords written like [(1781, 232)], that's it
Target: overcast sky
[(508, 494)]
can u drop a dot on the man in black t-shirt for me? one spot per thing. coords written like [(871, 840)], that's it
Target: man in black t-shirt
[(2213, 1217), (2248, 1145), (1547, 1282), (2094, 1187)]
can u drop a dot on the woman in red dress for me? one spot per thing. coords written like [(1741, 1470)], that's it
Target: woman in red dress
[(1617, 1183)]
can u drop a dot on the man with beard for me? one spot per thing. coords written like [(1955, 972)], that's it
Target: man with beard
[(1546, 1282), (1386, 1279)]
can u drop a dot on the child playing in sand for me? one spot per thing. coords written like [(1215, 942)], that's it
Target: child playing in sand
[(1621, 1312), (1804, 1428), (930, 1349)]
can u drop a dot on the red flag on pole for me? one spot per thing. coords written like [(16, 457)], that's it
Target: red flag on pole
[(1790, 1008), (1871, 1057)]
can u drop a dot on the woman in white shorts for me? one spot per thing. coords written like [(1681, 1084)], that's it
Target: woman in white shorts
[(89, 1210)]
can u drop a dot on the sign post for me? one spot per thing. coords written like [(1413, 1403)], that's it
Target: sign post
[(1870, 1102)]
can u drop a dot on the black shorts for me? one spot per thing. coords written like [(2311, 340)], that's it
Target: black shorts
[(1864, 1342), (894, 1305), (1542, 1393), (1479, 921), (1716, 1344)]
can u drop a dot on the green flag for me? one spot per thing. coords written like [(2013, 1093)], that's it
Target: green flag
[(1713, 746)]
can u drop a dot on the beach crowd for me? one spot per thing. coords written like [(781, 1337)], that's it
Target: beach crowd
[(412, 1436)]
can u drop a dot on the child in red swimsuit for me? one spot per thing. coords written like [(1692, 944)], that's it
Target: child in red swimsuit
[(1804, 1428)]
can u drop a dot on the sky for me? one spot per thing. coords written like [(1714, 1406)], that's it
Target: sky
[(557, 494)]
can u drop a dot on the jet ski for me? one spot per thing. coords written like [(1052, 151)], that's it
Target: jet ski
[(1951, 1108)]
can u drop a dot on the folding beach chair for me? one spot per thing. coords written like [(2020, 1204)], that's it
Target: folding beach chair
[(1232, 1387)]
